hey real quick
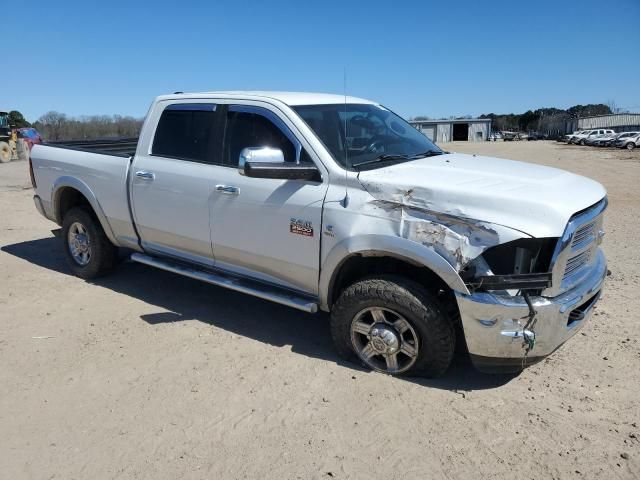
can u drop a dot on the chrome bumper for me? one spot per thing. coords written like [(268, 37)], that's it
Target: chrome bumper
[(493, 324)]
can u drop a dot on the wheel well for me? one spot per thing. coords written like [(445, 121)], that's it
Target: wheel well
[(69, 198), (357, 266)]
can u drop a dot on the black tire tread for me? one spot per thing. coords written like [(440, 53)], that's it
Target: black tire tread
[(103, 254), (403, 294)]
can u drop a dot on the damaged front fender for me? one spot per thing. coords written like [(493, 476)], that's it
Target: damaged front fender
[(456, 238)]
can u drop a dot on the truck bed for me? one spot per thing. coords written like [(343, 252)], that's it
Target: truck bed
[(121, 147), (96, 169)]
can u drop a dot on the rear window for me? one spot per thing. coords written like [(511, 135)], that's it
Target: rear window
[(185, 131)]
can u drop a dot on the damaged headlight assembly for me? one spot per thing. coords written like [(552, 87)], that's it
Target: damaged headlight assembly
[(521, 265)]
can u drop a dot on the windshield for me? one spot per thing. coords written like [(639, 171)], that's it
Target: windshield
[(375, 136), (4, 120)]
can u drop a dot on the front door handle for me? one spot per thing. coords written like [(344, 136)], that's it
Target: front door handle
[(145, 175), (228, 189)]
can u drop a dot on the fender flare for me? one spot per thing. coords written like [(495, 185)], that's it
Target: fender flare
[(372, 245), (83, 188)]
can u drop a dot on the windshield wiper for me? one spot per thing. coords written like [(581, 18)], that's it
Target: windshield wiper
[(383, 158), (428, 153), (386, 157)]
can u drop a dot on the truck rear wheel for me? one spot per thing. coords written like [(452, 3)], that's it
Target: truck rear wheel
[(89, 252), (394, 326), (5, 152)]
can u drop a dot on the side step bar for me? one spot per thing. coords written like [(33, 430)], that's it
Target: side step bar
[(257, 289)]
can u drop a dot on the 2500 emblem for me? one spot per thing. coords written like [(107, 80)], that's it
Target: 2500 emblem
[(301, 227)]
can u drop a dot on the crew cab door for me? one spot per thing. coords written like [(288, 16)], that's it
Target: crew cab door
[(171, 182), (263, 227)]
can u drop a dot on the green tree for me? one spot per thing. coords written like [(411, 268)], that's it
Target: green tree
[(17, 119), (589, 110)]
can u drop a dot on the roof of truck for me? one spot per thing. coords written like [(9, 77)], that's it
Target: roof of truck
[(289, 98)]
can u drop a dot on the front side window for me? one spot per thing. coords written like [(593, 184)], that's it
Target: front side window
[(246, 128), (364, 134), (186, 131)]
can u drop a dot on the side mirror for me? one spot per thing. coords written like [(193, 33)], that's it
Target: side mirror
[(265, 162), (259, 155)]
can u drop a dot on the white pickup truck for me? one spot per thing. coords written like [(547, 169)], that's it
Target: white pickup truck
[(319, 201)]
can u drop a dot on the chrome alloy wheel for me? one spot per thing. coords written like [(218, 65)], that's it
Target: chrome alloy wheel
[(79, 243), (384, 340)]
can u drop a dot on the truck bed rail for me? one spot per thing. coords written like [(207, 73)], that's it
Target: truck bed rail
[(121, 147)]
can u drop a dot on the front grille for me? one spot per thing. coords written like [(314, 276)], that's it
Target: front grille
[(577, 249), (583, 235), (575, 262)]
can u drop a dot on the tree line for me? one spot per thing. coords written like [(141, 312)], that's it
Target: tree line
[(56, 126)]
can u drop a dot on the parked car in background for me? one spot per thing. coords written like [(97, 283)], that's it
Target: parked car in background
[(591, 140), (581, 138), (495, 136), (604, 140), (511, 136), (30, 135), (567, 138), (537, 136), (628, 140)]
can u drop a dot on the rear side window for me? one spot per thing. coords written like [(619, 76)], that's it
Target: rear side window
[(247, 129), (186, 131)]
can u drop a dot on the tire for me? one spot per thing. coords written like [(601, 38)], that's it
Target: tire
[(5, 152), (82, 224), (582, 142), (630, 146), (23, 150), (431, 336)]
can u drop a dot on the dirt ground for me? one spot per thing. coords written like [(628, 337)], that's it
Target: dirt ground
[(148, 375)]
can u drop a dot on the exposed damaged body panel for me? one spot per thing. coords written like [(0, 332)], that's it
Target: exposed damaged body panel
[(458, 240)]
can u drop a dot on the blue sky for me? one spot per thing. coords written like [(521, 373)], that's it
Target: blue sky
[(431, 58)]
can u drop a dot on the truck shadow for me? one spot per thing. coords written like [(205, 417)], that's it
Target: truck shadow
[(187, 299)]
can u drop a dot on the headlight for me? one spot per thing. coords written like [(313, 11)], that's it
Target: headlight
[(521, 264)]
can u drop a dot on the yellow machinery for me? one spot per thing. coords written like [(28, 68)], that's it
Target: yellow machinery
[(11, 148)]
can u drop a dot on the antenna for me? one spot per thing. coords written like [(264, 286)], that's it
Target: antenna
[(345, 201)]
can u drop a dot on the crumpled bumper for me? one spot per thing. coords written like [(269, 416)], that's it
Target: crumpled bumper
[(493, 324)]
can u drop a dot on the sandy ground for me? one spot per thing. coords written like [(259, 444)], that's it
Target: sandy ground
[(149, 375)]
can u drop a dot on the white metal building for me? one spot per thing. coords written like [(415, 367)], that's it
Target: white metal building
[(620, 122), (468, 129)]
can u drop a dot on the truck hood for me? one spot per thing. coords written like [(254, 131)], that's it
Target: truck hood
[(533, 199)]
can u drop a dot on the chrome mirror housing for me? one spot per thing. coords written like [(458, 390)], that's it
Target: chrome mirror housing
[(259, 154)]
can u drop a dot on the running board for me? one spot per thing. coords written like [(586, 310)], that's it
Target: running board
[(257, 289)]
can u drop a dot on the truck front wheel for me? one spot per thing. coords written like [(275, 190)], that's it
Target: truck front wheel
[(89, 252), (393, 325)]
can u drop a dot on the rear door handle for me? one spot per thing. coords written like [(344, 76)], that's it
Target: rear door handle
[(228, 189), (145, 175)]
